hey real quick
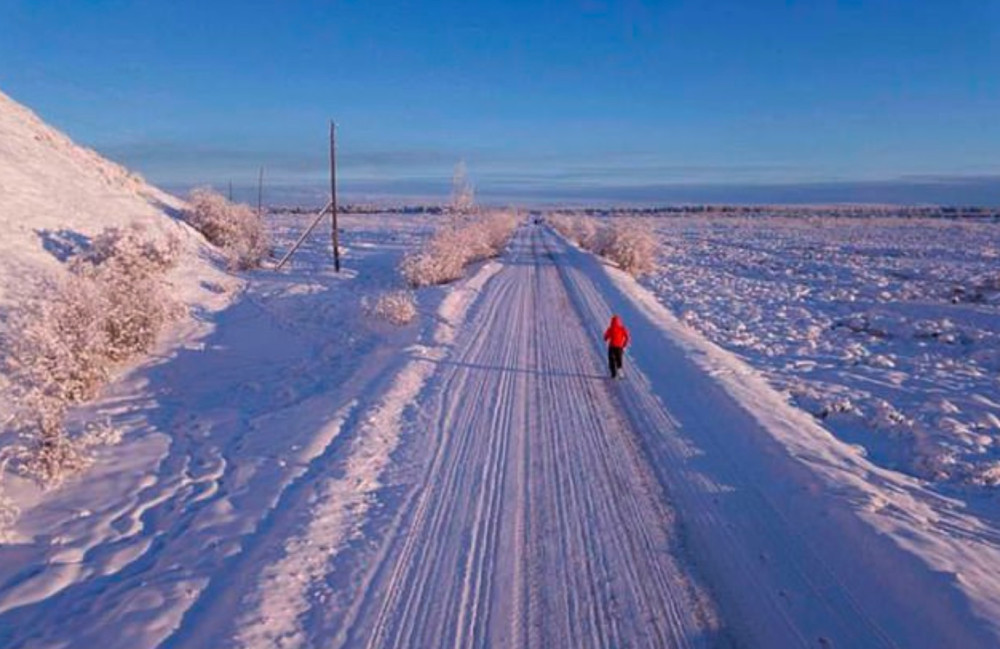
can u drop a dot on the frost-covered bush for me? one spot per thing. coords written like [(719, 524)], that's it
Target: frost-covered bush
[(440, 260), (52, 456), (586, 230), (396, 307), (59, 349), (563, 224), (125, 268), (463, 240), (581, 229), (630, 244), (9, 511), (234, 227), (55, 346)]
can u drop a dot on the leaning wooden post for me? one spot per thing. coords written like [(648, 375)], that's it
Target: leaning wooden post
[(302, 238), (333, 197)]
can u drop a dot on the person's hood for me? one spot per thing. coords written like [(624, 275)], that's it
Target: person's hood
[(616, 321)]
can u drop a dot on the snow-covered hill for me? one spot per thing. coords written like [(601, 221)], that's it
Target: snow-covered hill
[(55, 195), (56, 199)]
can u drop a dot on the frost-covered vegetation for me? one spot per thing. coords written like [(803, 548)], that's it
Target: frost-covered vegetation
[(59, 349), (628, 242), (463, 194), (396, 307), (886, 329), (464, 239), (233, 227)]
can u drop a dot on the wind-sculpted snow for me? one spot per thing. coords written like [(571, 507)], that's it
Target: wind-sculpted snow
[(224, 437), (886, 330)]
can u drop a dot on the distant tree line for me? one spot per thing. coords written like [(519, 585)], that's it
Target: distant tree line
[(902, 211)]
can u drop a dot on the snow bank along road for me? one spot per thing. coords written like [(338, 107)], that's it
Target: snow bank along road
[(495, 489)]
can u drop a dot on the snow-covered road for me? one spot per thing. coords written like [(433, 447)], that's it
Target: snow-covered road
[(535, 502), (490, 487), (537, 522)]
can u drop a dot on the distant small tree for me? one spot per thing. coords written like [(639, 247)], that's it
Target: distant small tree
[(463, 196)]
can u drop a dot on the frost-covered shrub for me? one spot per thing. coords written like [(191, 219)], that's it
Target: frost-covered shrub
[(396, 307), (424, 268), (630, 244), (125, 267), (583, 230), (54, 357), (498, 228), (9, 511), (51, 457), (586, 230), (563, 224), (59, 349), (441, 259), (461, 241), (234, 227), (55, 346)]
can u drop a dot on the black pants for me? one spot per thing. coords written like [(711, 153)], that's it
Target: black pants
[(615, 359)]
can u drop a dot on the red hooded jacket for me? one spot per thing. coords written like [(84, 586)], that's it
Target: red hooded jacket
[(616, 333)]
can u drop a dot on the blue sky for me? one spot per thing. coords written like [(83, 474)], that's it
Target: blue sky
[(894, 100)]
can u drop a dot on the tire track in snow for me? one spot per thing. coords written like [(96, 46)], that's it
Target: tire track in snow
[(277, 610), (433, 519), (625, 594)]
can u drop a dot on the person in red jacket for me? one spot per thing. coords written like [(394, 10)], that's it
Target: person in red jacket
[(617, 337)]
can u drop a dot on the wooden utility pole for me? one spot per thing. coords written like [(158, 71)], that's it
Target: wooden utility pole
[(260, 192), (230, 191), (333, 196)]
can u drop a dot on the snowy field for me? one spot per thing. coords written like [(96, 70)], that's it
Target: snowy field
[(886, 330)]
